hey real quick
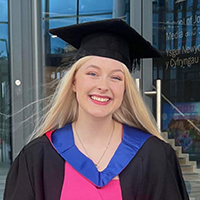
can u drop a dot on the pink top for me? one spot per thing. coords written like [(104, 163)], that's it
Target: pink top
[(76, 187)]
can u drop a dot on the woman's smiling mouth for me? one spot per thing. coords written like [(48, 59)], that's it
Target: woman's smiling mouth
[(100, 99)]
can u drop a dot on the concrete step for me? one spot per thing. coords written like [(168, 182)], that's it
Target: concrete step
[(191, 176), (171, 142), (165, 135), (178, 150), (193, 188), (188, 168), (183, 159), (195, 195)]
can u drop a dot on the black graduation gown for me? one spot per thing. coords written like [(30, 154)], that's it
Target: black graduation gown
[(153, 174)]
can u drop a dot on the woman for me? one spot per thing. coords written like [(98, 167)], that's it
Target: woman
[(98, 140)]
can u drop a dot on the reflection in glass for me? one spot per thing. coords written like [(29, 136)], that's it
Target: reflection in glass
[(177, 36), (5, 107), (94, 18), (59, 8), (95, 6), (4, 11), (4, 41)]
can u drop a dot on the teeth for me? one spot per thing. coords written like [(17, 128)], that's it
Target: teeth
[(100, 99)]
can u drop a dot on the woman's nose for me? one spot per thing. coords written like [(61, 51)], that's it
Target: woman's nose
[(103, 85)]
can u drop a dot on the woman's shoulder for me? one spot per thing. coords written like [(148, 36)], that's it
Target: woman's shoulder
[(153, 143), (37, 142), (38, 147), (147, 146), (157, 148), (39, 150), (158, 143)]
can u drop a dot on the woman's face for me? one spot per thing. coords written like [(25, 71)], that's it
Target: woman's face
[(99, 85)]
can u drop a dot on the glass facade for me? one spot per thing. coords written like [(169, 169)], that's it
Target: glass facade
[(177, 25), (58, 54), (5, 104), (176, 33), (5, 101)]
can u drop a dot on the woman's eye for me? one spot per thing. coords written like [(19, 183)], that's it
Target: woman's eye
[(116, 78), (92, 73)]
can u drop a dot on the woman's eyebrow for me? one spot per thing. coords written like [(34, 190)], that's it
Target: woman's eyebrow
[(117, 70), (93, 66), (97, 67)]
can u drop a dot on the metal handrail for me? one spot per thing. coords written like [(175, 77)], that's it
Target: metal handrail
[(159, 95)]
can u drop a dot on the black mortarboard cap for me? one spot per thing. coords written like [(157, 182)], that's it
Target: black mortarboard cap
[(111, 38)]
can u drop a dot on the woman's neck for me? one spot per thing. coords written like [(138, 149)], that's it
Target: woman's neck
[(97, 138), (92, 126)]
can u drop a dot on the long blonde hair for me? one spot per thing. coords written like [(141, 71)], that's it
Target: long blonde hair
[(64, 106)]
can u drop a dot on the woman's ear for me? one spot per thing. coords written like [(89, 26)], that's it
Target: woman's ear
[(74, 85)]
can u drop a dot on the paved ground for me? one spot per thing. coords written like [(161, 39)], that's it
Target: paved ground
[(4, 167)]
